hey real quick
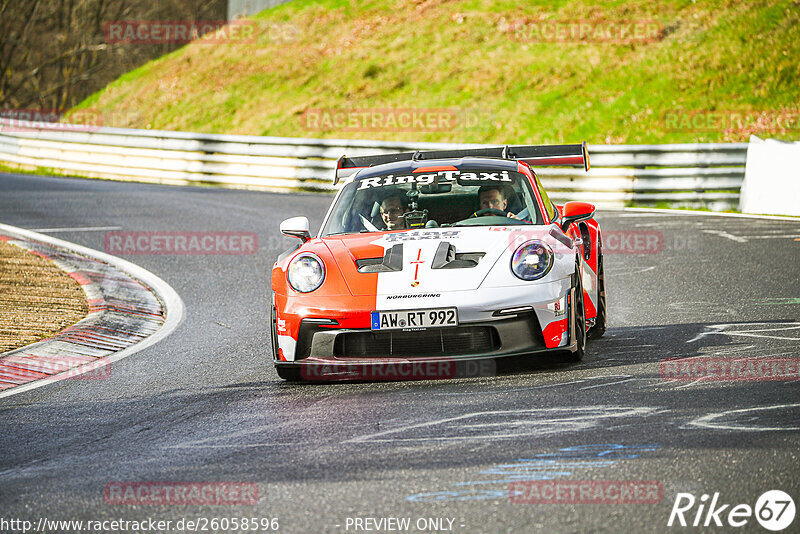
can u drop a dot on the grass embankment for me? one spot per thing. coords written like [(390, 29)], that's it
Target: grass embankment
[(493, 62), (37, 298)]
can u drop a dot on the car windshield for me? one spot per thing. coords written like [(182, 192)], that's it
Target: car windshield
[(440, 198)]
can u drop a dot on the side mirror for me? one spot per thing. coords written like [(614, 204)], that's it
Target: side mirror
[(576, 212), (296, 227)]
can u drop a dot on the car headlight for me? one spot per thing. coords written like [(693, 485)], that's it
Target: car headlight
[(532, 260), (306, 273)]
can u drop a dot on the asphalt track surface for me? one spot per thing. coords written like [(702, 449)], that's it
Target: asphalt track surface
[(205, 404)]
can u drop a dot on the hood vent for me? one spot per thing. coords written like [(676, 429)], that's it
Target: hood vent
[(447, 258), (392, 260)]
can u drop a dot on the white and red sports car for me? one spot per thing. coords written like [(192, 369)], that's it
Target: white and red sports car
[(440, 256)]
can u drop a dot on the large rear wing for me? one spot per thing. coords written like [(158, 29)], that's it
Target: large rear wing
[(532, 155)]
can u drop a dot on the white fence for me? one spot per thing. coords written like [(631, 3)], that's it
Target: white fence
[(694, 175)]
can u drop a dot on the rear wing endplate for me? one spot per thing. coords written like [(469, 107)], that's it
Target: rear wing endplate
[(535, 155)]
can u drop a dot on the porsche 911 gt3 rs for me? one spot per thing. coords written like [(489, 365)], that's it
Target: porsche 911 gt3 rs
[(440, 256)]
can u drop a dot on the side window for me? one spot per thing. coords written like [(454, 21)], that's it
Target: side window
[(526, 194), (548, 205)]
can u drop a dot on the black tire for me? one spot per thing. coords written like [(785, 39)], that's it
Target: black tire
[(580, 318), (291, 374), (599, 328)]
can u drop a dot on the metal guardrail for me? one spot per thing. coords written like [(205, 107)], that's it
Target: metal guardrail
[(695, 175)]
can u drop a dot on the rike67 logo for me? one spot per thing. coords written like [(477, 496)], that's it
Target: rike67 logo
[(774, 510)]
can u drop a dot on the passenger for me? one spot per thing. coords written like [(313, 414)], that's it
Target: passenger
[(392, 210)]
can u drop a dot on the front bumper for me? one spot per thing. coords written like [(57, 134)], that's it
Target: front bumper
[(490, 339), (493, 322), (326, 353)]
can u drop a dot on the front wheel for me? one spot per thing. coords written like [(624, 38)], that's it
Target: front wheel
[(580, 318), (291, 374), (273, 319)]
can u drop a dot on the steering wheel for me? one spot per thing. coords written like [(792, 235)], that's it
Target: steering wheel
[(488, 211)]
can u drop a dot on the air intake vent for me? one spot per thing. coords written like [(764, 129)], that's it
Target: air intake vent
[(461, 340), (447, 258), (392, 260)]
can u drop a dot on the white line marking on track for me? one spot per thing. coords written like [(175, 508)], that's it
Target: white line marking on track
[(720, 329), (625, 271), (794, 236), (707, 420), (503, 391), (78, 229), (194, 445), (726, 235), (725, 351), (626, 379), (690, 384), (661, 211), (518, 424)]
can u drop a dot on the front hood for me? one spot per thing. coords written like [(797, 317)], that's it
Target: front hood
[(430, 260)]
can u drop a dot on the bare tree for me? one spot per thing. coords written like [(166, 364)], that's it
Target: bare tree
[(53, 53)]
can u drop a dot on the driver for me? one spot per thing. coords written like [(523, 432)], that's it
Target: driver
[(494, 197), (392, 209)]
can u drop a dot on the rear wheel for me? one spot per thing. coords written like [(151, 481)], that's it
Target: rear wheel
[(580, 318), (599, 328)]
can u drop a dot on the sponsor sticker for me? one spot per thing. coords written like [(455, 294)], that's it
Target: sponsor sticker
[(429, 178)]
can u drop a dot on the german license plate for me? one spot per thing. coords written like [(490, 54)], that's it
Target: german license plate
[(430, 318)]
